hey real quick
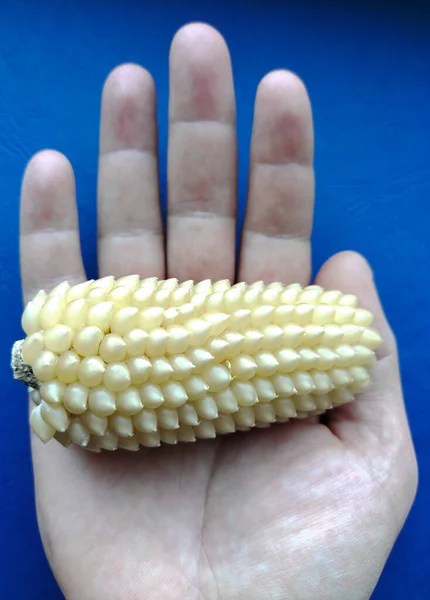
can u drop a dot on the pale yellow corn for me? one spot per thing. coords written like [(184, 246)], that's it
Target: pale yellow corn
[(135, 362)]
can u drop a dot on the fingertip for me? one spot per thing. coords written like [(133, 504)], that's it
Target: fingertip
[(44, 165), (281, 83), (347, 261), (201, 80), (127, 77), (200, 32), (47, 192), (128, 119), (283, 123)]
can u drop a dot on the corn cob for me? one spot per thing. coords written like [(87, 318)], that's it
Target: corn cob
[(130, 362)]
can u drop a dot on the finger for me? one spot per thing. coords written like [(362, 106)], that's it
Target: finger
[(202, 157), (49, 237), (129, 212), (382, 405), (278, 220)]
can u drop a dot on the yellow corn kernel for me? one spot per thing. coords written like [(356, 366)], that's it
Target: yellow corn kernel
[(139, 362)]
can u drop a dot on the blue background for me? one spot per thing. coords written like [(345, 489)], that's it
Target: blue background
[(367, 68)]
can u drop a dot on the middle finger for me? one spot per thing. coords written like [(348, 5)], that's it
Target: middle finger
[(202, 157)]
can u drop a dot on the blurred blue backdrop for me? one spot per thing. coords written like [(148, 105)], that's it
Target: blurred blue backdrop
[(367, 68)]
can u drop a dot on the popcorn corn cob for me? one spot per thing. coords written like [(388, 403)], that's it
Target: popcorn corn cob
[(130, 362)]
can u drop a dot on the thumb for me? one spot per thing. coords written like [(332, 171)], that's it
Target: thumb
[(382, 406)]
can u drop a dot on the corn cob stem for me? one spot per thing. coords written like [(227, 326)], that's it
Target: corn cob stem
[(130, 362)]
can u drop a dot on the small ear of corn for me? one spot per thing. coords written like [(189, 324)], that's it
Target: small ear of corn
[(130, 362)]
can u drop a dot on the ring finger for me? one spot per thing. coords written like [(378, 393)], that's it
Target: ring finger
[(279, 215)]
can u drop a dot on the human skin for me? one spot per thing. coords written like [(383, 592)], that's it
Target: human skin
[(303, 510)]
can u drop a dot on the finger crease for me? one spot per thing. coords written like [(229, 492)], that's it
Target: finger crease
[(285, 164), (149, 152), (198, 214), (50, 231), (203, 123), (133, 233), (279, 235)]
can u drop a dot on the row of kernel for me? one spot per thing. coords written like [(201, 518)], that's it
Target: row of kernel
[(93, 371), (208, 396), (98, 348), (242, 294), (113, 347), (274, 293), (84, 304), (108, 317), (127, 319), (150, 423), (87, 303), (177, 428), (79, 429), (121, 291), (287, 360)]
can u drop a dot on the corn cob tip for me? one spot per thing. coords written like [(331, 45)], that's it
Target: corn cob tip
[(130, 362)]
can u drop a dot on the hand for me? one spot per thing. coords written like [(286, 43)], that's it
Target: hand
[(302, 510)]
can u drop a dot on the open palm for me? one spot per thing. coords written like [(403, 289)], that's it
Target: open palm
[(309, 509)]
